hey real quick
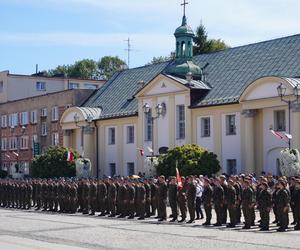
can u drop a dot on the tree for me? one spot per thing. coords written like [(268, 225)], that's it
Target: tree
[(205, 45), (53, 163), (159, 59), (108, 65), (89, 69), (191, 160)]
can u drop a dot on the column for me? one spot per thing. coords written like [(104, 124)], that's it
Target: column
[(295, 127), (67, 138), (88, 147), (249, 115)]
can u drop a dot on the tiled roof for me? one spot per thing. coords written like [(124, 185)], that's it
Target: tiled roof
[(228, 74), (116, 96), (193, 83)]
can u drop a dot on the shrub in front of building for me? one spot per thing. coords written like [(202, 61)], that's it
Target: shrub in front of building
[(54, 163), (190, 159)]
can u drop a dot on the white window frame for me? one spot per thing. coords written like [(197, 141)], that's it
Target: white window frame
[(205, 127), (24, 142), (44, 129), (3, 121), (73, 85), (33, 117), (24, 119), (13, 143), (280, 126), (44, 112), (180, 122), (230, 121), (40, 86), (54, 113), (111, 136), (130, 134), (3, 144), (55, 139)]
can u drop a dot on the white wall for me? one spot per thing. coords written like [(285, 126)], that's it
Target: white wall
[(206, 142), (180, 100), (272, 145), (163, 125), (111, 152), (129, 150), (231, 144)]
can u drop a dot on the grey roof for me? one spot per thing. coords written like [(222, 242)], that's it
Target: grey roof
[(228, 74), (194, 84), (116, 97)]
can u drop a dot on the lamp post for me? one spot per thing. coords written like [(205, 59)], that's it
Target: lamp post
[(160, 111), (281, 90)]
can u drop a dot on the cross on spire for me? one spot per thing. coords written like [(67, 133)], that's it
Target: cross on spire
[(184, 4)]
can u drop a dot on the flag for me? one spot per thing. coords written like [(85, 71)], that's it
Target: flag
[(288, 136), (141, 151), (70, 156), (15, 153), (278, 135), (179, 180), (150, 150)]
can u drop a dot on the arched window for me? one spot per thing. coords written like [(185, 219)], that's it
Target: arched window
[(177, 49), (190, 49), (183, 48)]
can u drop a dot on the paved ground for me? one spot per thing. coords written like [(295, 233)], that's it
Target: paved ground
[(30, 230)]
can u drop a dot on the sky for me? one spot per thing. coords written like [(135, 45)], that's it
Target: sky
[(57, 32)]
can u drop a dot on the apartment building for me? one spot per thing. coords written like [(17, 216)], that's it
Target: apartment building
[(30, 125)]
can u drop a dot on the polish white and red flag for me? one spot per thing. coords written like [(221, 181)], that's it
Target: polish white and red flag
[(281, 135), (70, 156), (142, 152), (179, 180)]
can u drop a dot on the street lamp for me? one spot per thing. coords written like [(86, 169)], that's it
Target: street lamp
[(160, 111), (281, 90)]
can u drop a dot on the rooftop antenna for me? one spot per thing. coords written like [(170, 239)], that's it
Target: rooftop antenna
[(128, 51)]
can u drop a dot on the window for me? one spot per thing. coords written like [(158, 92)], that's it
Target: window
[(112, 169), (130, 168), (231, 166), (3, 144), (44, 112), (40, 86), (1, 86), (24, 118), (73, 85), (180, 121), (13, 120), (34, 139), (205, 127), (279, 120), (230, 125), (3, 121), (33, 116), (130, 134), (148, 126), (55, 139), (24, 142), (54, 113), (278, 171), (90, 86), (44, 129), (111, 136), (13, 143)]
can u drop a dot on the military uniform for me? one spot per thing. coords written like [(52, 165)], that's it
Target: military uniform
[(162, 202), (283, 200), (191, 197), (181, 199), (230, 198), (207, 203), (218, 199), (172, 195), (264, 201), (247, 205)]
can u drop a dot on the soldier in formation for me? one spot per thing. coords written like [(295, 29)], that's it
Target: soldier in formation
[(142, 198)]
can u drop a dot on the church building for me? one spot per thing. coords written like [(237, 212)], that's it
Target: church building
[(228, 102)]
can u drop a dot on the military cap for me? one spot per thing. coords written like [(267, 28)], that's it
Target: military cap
[(265, 184), (222, 176)]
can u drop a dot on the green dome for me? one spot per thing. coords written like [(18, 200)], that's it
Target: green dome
[(184, 29), (181, 70)]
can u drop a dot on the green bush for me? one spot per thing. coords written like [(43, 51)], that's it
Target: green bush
[(190, 159), (53, 163)]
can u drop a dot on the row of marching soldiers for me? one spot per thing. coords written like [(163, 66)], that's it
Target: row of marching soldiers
[(123, 197)]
